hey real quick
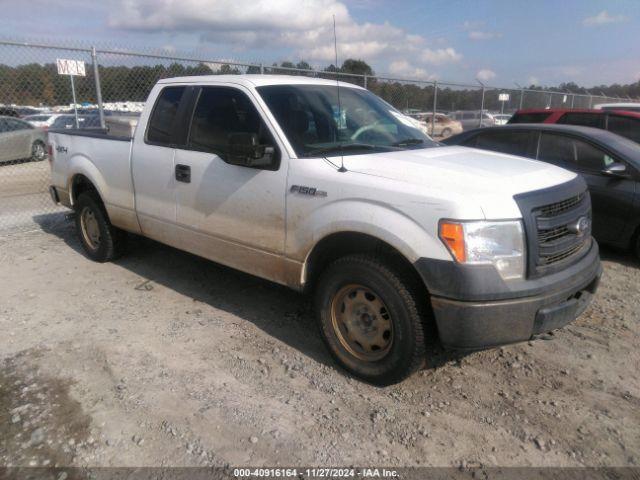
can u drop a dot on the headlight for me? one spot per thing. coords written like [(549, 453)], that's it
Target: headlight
[(480, 243)]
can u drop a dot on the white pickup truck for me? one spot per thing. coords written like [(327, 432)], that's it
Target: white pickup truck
[(329, 188)]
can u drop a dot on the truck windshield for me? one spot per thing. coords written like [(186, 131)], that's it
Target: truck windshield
[(316, 126)]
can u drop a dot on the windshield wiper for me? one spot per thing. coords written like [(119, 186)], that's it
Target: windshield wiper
[(408, 141), (343, 148)]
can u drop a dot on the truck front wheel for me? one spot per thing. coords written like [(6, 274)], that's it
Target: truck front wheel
[(369, 318), (102, 242)]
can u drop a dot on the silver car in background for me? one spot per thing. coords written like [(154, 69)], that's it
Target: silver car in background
[(42, 120), (472, 118), (20, 140)]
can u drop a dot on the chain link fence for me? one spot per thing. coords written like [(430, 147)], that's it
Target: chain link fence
[(34, 98)]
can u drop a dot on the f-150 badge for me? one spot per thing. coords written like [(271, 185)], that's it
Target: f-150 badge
[(312, 191)]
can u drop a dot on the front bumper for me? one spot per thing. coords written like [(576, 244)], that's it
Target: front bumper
[(537, 306)]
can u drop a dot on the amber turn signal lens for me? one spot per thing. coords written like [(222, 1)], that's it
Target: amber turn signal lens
[(452, 234)]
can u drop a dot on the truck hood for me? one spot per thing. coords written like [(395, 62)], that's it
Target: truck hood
[(490, 178)]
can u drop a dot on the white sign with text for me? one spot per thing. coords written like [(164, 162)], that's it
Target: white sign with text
[(71, 67)]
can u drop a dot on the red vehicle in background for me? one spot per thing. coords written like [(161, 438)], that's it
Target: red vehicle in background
[(622, 122)]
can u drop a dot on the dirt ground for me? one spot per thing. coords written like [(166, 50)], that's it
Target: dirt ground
[(165, 359)]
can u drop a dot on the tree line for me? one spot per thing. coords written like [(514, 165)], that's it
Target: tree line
[(40, 85)]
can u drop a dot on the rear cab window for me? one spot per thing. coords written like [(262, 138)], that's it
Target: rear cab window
[(165, 112)]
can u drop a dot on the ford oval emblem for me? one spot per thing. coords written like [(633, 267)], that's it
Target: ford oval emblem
[(580, 227)]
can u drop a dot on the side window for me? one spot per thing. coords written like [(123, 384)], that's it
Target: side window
[(573, 153), (3, 125), (15, 125), (625, 126), (537, 117), (164, 114), (469, 116), (557, 149), (584, 119), (591, 158), (221, 112), (514, 143)]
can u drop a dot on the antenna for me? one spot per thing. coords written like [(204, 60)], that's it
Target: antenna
[(335, 47)]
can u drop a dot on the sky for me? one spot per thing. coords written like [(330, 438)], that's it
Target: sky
[(498, 42)]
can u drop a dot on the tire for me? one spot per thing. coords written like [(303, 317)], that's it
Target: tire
[(38, 151), (102, 242), (445, 133), (343, 300)]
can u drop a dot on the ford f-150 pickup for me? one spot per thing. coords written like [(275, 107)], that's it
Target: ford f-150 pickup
[(325, 187)]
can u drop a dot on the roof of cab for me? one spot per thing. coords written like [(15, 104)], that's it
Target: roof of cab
[(251, 80)]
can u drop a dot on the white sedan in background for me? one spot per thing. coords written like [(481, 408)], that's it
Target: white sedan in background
[(19, 140)]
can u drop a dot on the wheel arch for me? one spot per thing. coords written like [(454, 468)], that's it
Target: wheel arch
[(84, 176), (339, 244), (79, 184)]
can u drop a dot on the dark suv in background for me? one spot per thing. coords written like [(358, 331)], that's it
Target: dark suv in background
[(620, 122)]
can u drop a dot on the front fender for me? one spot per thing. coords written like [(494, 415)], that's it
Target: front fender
[(377, 219)]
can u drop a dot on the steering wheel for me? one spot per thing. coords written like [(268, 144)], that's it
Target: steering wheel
[(368, 130)]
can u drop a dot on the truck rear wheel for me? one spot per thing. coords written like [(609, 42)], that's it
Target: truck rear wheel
[(369, 319), (102, 242)]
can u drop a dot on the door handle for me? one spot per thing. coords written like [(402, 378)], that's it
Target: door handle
[(183, 173)]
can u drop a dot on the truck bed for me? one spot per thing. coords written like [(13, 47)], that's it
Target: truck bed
[(98, 156)]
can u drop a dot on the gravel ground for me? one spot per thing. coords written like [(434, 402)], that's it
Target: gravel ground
[(24, 195), (165, 359)]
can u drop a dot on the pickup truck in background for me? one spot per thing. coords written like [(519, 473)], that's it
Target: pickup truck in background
[(328, 188)]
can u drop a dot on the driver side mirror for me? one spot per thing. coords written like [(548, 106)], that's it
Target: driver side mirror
[(616, 169), (245, 151)]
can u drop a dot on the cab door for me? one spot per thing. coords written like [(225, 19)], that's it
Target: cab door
[(153, 168), (231, 213)]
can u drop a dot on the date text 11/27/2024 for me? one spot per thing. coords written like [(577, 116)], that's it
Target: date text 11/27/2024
[(314, 472)]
